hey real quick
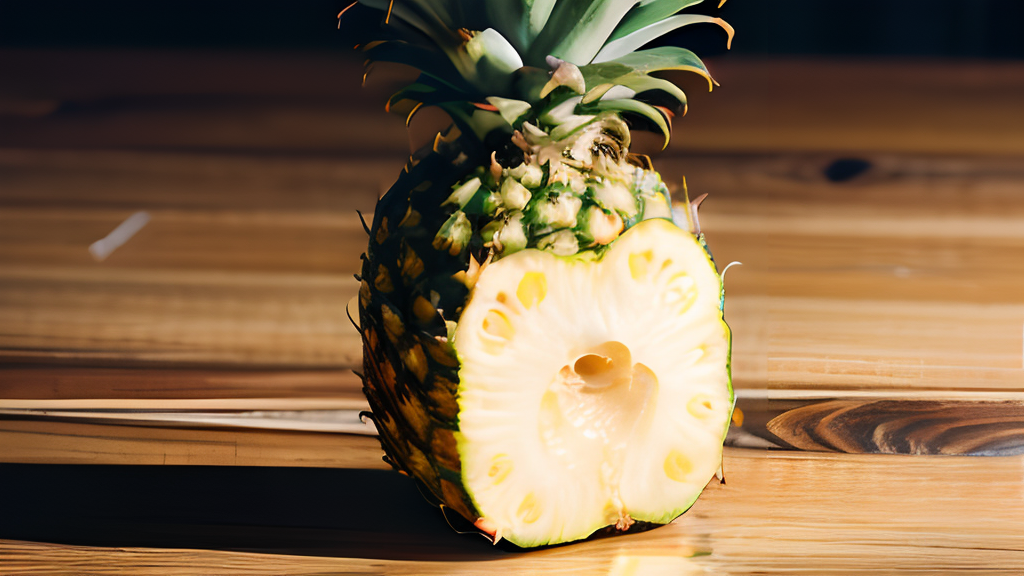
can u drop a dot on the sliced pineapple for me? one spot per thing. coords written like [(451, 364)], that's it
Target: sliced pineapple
[(594, 391)]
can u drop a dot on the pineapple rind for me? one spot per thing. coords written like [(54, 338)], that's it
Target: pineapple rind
[(410, 371)]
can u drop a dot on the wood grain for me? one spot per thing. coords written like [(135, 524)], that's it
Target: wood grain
[(215, 280), (166, 383), (53, 442), (778, 513), (905, 427)]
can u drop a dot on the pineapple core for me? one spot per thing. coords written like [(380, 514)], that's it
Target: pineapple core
[(593, 392)]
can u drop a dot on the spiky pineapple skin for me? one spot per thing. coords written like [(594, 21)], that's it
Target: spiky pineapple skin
[(410, 370)]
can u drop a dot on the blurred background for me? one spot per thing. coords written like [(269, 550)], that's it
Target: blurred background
[(938, 28)]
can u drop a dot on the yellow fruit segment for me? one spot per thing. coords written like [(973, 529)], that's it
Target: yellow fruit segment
[(532, 289), (497, 324), (677, 466), (500, 469), (681, 292), (639, 263), (700, 406), (529, 510)]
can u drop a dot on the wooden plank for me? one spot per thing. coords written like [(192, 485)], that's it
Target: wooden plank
[(782, 342), (779, 513), (49, 442), (904, 427), (831, 292), (979, 424), (281, 184), (950, 229), (190, 241), (936, 107), (850, 343), (180, 317), (328, 416), (48, 382)]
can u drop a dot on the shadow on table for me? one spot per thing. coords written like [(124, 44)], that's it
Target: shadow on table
[(304, 511)]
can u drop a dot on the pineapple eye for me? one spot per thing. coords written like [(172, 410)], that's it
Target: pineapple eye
[(639, 263), (529, 510), (532, 289), (677, 466), (500, 469), (700, 406), (681, 292), (497, 325)]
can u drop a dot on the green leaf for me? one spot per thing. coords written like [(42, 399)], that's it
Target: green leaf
[(510, 110), (518, 20), (540, 11), (634, 40), (570, 125), (420, 16), (605, 73), (509, 18), (487, 61), (490, 47), (654, 60), (561, 112), (637, 107), (528, 82), (645, 83), (597, 92), (472, 120), (647, 13), (577, 29), (405, 100), (429, 62), (632, 72)]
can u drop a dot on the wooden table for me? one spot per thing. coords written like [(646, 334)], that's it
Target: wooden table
[(877, 207)]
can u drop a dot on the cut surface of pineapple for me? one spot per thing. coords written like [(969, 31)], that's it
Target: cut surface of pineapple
[(593, 391)]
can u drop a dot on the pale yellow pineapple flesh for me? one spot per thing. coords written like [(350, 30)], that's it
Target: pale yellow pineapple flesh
[(594, 391)]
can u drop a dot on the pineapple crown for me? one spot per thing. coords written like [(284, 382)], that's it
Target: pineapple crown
[(494, 64)]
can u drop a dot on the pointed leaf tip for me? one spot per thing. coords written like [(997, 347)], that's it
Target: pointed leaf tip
[(509, 109), (565, 74)]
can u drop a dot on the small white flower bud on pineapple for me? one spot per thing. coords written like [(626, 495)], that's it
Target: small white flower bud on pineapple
[(512, 235), (561, 243), (454, 234), (558, 212), (514, 195), (464, 193), (616, 196), (603, 227)]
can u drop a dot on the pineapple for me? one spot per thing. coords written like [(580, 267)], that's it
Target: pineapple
[(544, 347)]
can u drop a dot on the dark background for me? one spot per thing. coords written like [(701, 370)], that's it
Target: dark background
[(944, 28)]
